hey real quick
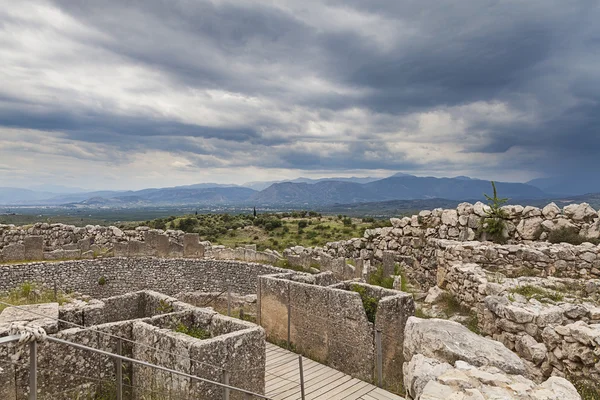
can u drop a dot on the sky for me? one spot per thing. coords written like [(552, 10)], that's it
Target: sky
[(123, 94)]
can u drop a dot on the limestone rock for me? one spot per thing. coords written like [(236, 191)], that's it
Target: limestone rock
[(450, 218), (579, 212), (480, 209), (529, 228), (550, 211), (466, 382), (38, 315), (464, 209), (450, 341), (419, 371), (434, 295)]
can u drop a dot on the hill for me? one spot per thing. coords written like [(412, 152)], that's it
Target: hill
[(398, 187)]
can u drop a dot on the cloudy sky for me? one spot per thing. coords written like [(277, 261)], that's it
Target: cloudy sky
[(131, 94)]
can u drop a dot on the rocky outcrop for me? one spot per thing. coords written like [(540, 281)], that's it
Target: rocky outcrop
[(430, 379), (450, 341)]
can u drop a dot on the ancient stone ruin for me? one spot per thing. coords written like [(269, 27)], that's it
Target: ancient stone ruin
[(518, 319)]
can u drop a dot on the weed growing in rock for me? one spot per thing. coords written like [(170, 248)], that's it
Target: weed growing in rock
[(30, 293), (377, 278), (164, 307), (588, 390), (369, 303), (102, 281), (193, 331), (538, 293)]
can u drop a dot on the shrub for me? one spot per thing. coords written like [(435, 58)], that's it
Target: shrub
[(369, 303), (494, 221), (302, 224), (102, 281), (378, 279)]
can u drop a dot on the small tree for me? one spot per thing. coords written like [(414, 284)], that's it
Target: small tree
[(494, 221)]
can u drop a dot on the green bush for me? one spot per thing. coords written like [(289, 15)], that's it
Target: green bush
[(377, 278), (494, 221), (369, 303)]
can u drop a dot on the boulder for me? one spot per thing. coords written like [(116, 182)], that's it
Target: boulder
[(434, 295), (419, 371), (450, 218), (481, 209), (466, 382), (37, 315), (450, 341), (550, 211), (580, 212), (530, 228)]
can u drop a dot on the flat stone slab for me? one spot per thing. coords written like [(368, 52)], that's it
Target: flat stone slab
[(39, 315)]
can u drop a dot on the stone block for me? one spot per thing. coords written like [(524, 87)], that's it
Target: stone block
[(37, 315), (34, 248), (135, 248), (120, 249), (175, 250), (191, 246), (388, 263), (84, 244), (13, 252)]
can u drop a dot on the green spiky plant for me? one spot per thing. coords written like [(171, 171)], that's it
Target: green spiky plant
[(494, 221)]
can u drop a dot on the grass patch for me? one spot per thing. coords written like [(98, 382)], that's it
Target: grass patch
[(369, 303), (377, 278), (30, 293), (587, 389), (538, 293), (195, 332)]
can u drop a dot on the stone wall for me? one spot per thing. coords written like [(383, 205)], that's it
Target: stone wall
[(123, 275), (561, 339), (524, 224), (65, 372), (56, 236), (329, 323)]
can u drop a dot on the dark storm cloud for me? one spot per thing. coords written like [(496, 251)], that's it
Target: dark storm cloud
[(304, 64)]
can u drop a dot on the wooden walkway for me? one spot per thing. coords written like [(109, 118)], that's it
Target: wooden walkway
[(320, 382)]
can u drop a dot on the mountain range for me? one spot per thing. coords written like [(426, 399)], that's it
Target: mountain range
[(297, 192)]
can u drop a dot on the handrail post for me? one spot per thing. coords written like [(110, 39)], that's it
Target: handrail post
[(226, 382), (119, 370), (379, 358), (33, 371), (229, 301), (301, 377)]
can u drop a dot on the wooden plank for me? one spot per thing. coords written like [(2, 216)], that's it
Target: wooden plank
[(282, 380)]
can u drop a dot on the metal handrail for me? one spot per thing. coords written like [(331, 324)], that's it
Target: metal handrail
[(33, 365)]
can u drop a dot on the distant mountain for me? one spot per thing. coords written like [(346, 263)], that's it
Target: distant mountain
[(568, 185), (398, 187), (58, 189), (263, 185), (173, 196), (11, 195)]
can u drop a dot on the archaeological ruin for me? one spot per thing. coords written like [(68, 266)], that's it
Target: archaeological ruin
[(514, 318)]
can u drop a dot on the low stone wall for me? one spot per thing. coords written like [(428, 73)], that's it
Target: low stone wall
[(154, 243), (115, 276), (64, 372), (561, 339), (329, 323), (57, 236)]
